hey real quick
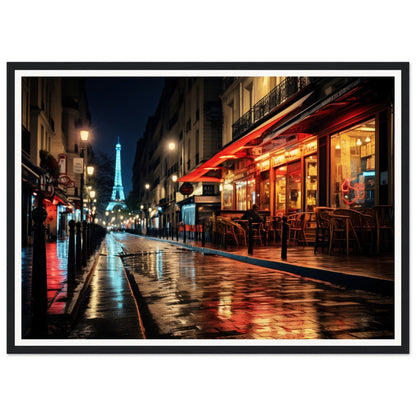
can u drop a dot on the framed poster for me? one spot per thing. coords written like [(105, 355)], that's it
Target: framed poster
[(111, 264)]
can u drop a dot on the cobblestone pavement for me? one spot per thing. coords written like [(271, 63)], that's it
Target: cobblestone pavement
[(187, 295)]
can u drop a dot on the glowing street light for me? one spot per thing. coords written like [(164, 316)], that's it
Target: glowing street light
[(90, 170), (84, 135)]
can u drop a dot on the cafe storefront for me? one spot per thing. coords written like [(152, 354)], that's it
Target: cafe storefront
[(335, 151), (284, 181)]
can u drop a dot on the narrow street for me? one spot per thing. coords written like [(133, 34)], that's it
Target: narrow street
[(186, 295), (109, 311)]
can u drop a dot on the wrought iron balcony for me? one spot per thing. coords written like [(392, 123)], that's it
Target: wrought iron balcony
[(286, 89)]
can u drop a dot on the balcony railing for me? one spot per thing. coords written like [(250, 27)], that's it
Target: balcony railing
[(286, 89)]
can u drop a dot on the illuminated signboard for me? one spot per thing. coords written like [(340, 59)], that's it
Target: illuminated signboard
[(265, 165)]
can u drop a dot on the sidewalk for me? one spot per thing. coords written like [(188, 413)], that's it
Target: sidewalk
[(63, 300), (371, 273)]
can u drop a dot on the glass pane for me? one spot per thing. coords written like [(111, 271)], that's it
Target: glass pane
[(251, 193), (353, 167), (228, 196), (280, 187), (241, 195), (294, 186), (265, 191), (311, 181)]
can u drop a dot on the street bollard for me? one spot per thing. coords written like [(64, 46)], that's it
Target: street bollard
[(78, 247), (39, 305), (203, 235), (90, 239), (250, 237), (285, 229), (71, 252), (84, 242)]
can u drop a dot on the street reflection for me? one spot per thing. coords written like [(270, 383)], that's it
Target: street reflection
[(190, 295)]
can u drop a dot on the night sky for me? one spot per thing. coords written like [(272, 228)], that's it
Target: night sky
[(120, 107)]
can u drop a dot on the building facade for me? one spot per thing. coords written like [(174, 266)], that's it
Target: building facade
[(184, 132), (54, 110)]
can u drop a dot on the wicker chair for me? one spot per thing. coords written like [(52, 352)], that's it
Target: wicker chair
[(297, 227), (384, 226)]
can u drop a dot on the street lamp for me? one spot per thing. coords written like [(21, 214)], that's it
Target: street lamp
[(171, 145), (90, 170), (174, 150), (84, 135), (84, 138)]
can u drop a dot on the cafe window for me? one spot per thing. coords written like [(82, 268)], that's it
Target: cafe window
[(245, 194), (294, 187), (311, 181), (228, 196), (353, 165), (241, 195), (280, 192), (251, 193), (264, 198)]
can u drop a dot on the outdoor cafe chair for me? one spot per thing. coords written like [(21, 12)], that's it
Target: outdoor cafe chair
[(296, 224), (384, 226), (322, 228)]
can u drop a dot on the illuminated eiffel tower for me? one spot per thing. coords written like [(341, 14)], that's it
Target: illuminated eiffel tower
[(117, 197)]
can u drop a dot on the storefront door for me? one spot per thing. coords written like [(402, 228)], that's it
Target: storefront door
[(288, 188), (280, 190)]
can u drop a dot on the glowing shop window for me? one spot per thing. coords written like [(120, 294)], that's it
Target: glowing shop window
[(228, 194), (353, 166), (241, 195)]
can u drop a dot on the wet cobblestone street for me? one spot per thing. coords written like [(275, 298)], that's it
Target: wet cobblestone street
[(186, 295)]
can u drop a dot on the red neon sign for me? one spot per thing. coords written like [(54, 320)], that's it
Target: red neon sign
[(351, 194)]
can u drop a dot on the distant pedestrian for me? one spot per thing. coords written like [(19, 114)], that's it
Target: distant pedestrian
[(252, 214)]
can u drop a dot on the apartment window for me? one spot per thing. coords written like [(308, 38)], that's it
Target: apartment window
[(197, 104), (189, 154), (231, 112), (230, 117), (197, 147), (42, 138), (247, 98)]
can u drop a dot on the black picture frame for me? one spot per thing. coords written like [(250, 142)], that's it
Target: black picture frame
[(13, 68)]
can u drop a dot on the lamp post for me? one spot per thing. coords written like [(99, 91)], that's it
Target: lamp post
[(174, 149), (84, 139), (175, 184)]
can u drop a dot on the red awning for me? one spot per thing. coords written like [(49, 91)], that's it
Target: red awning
[(236, 149)]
